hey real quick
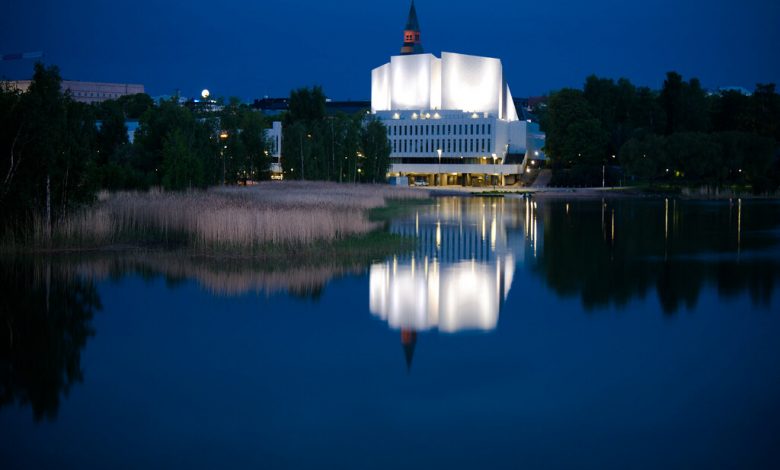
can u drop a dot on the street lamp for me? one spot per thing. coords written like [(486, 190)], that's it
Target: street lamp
[(223, 136)]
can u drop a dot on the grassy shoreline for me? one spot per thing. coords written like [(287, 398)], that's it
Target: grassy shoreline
[(288, 218)]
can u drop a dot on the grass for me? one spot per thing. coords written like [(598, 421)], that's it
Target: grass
[(289, 215)]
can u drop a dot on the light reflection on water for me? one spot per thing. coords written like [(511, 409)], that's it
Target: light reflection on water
[(460, 273), (575, 305)]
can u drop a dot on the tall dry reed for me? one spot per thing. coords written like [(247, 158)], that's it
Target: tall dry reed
[(289, 213)]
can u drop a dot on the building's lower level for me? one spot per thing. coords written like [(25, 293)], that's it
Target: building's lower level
[(445, 147), (455, 174)]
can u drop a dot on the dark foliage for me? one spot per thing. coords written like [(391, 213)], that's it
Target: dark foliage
[(679, 134)]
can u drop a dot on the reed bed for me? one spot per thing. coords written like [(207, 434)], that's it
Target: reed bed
[(218, 278), (290, 213)]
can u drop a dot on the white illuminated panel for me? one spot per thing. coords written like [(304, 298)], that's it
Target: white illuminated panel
[(510, 107), (410, 78), (453, 297), (454, 82), (380, 88), (398, 294), (471, 83), (468, 302), (436, 84)]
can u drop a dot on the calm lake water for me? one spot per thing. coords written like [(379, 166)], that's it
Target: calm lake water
[(547, 334)]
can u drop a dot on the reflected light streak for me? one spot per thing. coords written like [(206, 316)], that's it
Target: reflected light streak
[(613, 225), (739, 226), (493, 233), (666, 219), (451, 298)]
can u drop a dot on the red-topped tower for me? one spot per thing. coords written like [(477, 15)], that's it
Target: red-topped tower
[(412, 44)]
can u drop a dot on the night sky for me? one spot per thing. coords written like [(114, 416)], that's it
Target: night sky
[(254, 48)]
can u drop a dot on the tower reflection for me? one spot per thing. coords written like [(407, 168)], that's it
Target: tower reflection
[(461, 271)]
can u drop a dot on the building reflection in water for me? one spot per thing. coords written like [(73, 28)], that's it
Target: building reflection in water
[(461, 271)]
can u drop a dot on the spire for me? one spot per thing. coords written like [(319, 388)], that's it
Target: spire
[(412, 24), (412, 44)]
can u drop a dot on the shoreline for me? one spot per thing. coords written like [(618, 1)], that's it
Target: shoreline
[(270, 221), (617, 192)]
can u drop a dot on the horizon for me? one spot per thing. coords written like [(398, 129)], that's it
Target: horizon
[(271, 49)]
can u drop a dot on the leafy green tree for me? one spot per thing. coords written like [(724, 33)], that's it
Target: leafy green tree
[(181, 167), (48, 152), (577, 142), (565, 108), (646, 112), (306, 104), (349, 145), (134, 106), (256, 160), (113, 131), (155, 139), (730, 111), (376, 151), (766, 111), (696, 156), (644, 157), (685, 105), (749, 159)]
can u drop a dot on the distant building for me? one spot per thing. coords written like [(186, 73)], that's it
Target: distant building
[(89, 92), (274, 138), (451, 120)]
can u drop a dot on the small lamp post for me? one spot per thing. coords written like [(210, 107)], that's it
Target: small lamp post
[(223, 136)]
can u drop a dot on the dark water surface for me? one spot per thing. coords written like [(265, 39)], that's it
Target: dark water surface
[(547, 334)]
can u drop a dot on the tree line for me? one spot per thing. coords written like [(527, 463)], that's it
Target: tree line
[(340, 147), (57, 153), (680, 134)]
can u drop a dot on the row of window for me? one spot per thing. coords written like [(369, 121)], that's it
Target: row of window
[(446, 145), (95, 95), (438, 129)]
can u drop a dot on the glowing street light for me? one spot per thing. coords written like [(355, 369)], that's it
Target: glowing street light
[(223, 135)]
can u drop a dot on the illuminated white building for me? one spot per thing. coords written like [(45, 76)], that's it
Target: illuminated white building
[(452, 119)]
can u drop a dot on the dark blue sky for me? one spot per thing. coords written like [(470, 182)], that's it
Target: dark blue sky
[(255, 48)]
